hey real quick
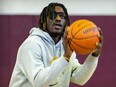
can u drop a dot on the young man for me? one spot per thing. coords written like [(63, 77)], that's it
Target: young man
[(45, 59)]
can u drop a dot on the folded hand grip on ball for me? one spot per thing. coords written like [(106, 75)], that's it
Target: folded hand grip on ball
[(84, 36)]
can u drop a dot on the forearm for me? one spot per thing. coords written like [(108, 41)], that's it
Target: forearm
[(48, 75), (35, 68), (85, 71)]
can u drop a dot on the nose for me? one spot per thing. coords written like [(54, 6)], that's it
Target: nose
[(58, 18)]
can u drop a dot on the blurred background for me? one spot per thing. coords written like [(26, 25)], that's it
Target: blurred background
[(17, 17)]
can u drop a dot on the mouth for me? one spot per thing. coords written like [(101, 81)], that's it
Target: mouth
[(57, 25)]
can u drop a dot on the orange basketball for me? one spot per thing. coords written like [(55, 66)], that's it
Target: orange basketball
[(84, 36)]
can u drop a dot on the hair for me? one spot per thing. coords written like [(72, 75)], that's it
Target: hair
[(42, 23)]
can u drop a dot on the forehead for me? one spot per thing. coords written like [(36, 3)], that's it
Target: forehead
[(59, 9)]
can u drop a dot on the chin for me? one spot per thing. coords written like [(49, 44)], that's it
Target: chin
[(54, 34)]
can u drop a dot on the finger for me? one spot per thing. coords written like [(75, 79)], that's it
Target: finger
[(100, 35), (98, 45), (100, 31), (67, 29)]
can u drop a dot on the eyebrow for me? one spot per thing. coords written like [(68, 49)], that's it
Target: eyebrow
[(59, 12)]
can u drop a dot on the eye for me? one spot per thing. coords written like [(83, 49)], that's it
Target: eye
[(51, 15), (62, 15)]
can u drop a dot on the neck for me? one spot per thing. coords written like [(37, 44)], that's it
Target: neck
[(56, 38)]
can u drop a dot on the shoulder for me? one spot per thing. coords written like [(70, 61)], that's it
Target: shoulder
[(31, 43)]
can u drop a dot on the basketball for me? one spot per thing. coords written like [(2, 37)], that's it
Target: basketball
[(84, 36)]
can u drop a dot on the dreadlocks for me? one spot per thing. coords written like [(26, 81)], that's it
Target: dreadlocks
[(47, 12)]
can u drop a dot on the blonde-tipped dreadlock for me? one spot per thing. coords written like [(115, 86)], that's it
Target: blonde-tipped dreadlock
[(47, 11)]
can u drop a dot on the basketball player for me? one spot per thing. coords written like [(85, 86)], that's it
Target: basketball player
[(45, 59)]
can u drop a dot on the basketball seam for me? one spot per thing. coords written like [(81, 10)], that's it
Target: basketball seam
[(75, 36), (78, 30), (80, 46), (85, 37)]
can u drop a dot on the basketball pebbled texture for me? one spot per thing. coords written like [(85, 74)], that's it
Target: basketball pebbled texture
[(84, 36)]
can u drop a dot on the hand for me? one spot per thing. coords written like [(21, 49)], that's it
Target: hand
[(98, 48), (66, 39)]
